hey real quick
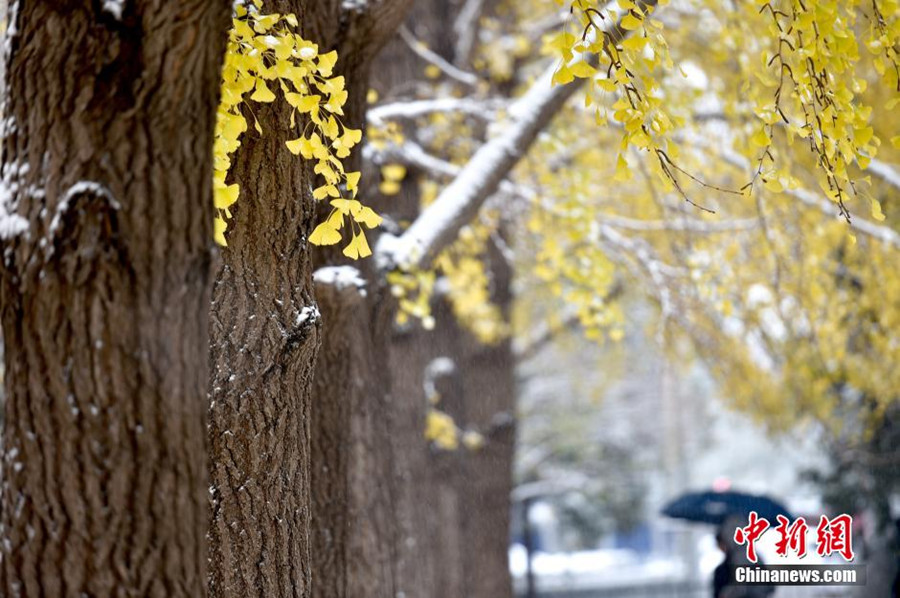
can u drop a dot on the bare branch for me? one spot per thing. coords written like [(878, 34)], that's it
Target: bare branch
[(422, 51), (466, 30), (681, 224), (527, 347)]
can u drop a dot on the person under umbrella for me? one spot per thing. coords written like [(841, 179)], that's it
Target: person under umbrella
[(734, 555)]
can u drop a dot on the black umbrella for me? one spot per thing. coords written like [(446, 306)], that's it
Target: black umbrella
[(716, 507)]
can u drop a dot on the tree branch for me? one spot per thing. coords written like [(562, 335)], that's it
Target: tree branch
[(460, 201), (407, 110), (466, 30), (421, 50), (860, 225), (885, 172)]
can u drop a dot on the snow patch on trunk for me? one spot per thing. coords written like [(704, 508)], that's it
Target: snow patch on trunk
[(11, 223), (341, 277), (114, 7), (308, 313)]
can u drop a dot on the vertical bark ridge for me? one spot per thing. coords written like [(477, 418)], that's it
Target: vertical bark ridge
[(105, 290)]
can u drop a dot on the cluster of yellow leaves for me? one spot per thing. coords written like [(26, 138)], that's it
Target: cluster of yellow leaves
[(391, 177), (413, 289), (462, 267), (803, 85), (383, 135), (631, 70), (499, 53), (443, 432), (441, 429), (469, 286), (823, 335), (265, 52), (572, 262), (809, 86)]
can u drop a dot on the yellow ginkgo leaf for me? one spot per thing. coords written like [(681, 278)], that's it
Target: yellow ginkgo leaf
[(363, 245), (303, 103), (297, 146), (352, 181), (262, 93), (326, 191), (326, 63), (877, 214), (761, 138), (393, 172), (219, 227), (368, 217), (389, 187), (325, 234), (631, 22), (347, 206), (225, 196)]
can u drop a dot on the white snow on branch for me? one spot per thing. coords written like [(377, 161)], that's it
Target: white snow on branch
[(308, 313), (885, 172), (439, 367), (466, 28), (417, 108), (354, 5), (341, 277), (460, 201), (11, 225)]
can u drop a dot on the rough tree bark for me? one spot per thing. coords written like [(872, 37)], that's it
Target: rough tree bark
[(267, 429), (106, 221), (264, 329)]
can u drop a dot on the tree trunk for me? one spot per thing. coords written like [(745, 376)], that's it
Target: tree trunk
[(264, 329), (453, 508), (106, 222), (278, 450), (490, 395), (352, 484), (354, 533)]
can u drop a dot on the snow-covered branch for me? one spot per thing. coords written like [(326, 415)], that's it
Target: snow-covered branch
[(460, 201), (885, 172), (680, 224), (416, 108), (340, 279)]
